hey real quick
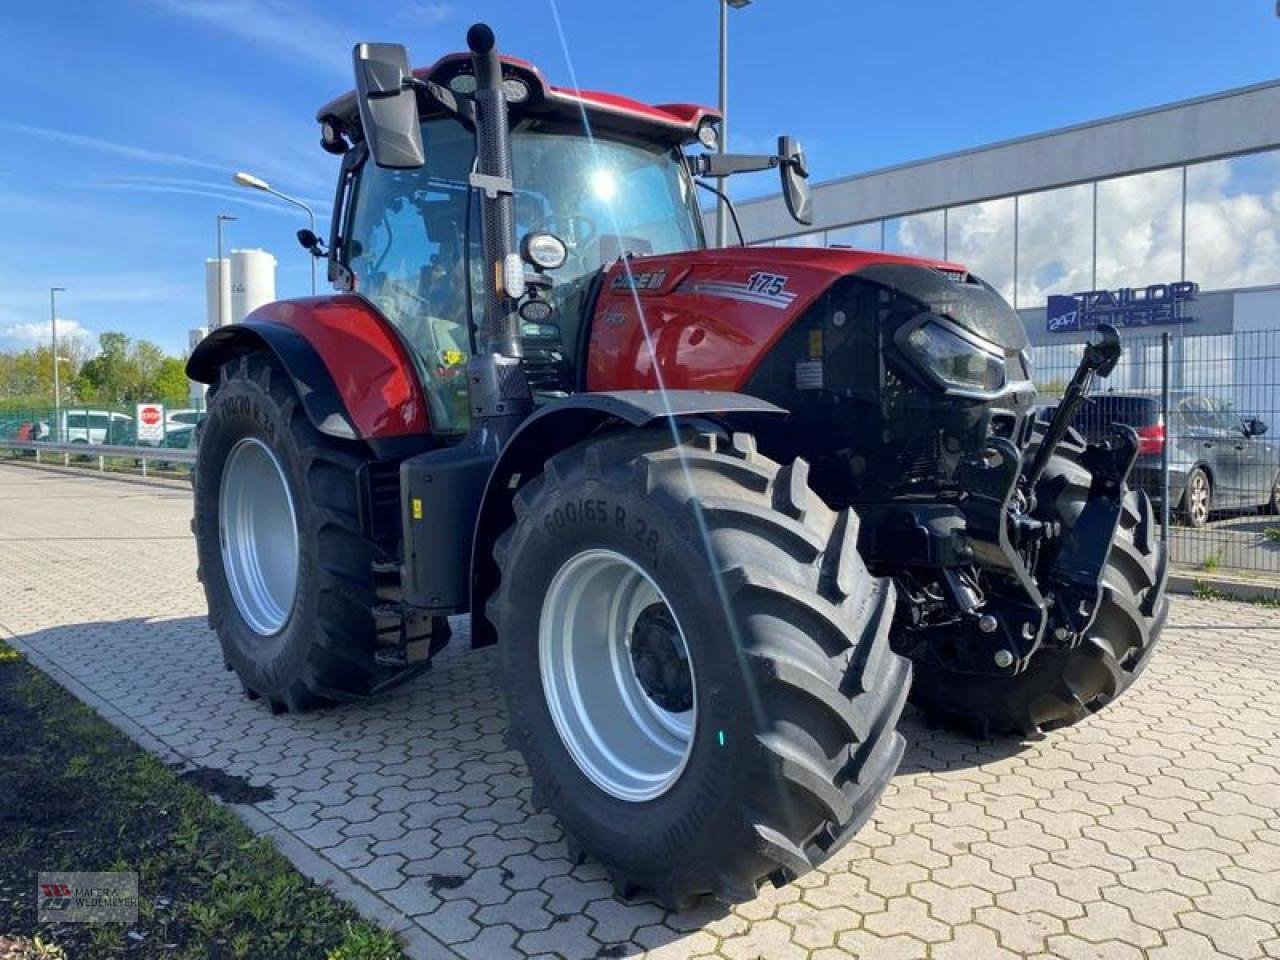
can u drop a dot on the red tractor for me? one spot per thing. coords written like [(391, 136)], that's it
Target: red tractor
[(714, 506)]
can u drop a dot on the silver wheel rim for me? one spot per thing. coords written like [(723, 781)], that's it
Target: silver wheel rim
[(259, 535), (628, 737), (1199, 497)]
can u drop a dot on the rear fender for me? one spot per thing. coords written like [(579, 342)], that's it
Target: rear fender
[(561, 424), (353, 372)]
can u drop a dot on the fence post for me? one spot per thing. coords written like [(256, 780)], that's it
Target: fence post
[(1164, 447)]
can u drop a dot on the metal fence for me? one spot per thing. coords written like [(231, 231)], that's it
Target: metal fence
[(97, 423), (1211, 405)]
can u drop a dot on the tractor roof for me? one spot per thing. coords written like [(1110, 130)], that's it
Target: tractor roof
[(676, 122)]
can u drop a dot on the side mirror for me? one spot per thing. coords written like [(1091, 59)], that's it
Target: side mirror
[(1254, 427), (795, 179), (310, 242), (388, 105)]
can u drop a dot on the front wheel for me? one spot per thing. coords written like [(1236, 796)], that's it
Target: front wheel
[(1063, 686), (286, 567), (696, 662)]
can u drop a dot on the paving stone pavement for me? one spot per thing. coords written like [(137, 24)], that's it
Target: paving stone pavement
[(1151, 831)]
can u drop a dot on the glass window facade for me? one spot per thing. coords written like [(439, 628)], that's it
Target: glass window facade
[(1216, 224), (981, 236), (1139, 230), (920, 235), (1233, 221), (860, 236), (1055, 243)]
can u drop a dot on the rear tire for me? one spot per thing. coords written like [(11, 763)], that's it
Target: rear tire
[(1272, 506), (1061, 687), (792, 694), (317, 646)]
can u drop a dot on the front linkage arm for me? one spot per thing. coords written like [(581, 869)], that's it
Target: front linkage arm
[(1100, 358)]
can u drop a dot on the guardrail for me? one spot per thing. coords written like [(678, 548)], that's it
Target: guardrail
[(103, 451)]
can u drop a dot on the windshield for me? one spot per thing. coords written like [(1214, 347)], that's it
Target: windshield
[(404, 244)]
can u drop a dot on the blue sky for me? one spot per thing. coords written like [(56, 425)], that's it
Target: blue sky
[(124, 120)]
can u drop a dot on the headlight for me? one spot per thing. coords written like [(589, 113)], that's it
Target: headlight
[(955, 361)]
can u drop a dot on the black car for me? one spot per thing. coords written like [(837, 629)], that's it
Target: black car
[(1217, 459)]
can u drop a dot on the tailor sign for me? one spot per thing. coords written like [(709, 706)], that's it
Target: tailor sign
[(1156, 305)]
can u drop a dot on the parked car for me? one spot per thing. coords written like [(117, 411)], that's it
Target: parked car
[(1217, 459), (96, 426), (182, 417)]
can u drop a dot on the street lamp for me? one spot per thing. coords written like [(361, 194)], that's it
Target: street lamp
[(222, 218), (57, 392), (722, 211), (257, 183)]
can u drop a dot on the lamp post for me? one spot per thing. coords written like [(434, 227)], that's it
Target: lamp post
[(722, 211), (57, 391), (222, 218), (257, 183)]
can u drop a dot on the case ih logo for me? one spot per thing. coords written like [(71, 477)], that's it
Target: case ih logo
[(54, 896)]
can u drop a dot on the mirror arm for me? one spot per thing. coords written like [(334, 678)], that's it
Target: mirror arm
[(727, 164), (463, 108)]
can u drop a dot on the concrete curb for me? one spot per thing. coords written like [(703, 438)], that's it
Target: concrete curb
[(165, 483), (417, 942), (1193, 582)]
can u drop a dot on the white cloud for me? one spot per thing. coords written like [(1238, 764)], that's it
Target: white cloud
[(23, 336), (426, 12), (291, 30), (127, 151)]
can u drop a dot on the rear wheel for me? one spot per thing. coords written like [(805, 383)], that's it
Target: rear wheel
[(696, 662), (1197, 498), (1272, 506), (1061, 687), (286, 567)]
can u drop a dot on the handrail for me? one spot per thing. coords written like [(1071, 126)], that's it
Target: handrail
[(102, 451)]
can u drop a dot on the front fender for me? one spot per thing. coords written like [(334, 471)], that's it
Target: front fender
[(354, 373), (561, 424)]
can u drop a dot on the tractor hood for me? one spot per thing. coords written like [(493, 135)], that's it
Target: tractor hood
[(706, 319)]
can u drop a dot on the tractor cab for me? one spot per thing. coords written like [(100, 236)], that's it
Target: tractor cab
[(598, 175)]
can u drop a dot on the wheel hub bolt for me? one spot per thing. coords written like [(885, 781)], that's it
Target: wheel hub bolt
[(987, 623), (1004, 659)]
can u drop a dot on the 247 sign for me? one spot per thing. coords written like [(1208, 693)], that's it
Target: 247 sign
[(1158, 304)]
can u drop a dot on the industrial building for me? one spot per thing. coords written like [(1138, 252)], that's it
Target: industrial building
[(1162, 219)]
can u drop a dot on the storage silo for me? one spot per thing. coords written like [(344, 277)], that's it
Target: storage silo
[(195, 389), (213, 317), (253, 281)]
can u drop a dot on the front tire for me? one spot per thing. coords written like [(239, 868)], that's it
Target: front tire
[(696, 662), (286, 567), (1061, 687)]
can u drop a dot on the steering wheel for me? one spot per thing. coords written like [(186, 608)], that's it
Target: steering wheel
[(581, 228)]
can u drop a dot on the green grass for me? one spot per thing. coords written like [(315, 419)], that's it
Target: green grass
[(80, 796), (1212, 562), (1271, 534)]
